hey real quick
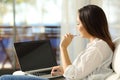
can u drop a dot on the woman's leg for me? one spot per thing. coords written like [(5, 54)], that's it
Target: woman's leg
[(20, 77)]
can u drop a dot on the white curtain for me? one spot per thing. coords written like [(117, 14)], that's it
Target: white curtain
[(68, 25), (111, 8), (69, 14)]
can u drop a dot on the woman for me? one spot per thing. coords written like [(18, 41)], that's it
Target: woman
[(94, 62)]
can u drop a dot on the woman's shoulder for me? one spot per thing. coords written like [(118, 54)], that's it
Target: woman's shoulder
[(102, 46), (101, 43)]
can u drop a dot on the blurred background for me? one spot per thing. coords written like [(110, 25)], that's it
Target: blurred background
[(28, 20)]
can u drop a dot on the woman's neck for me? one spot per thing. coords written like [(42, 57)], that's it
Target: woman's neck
[(91, 39)]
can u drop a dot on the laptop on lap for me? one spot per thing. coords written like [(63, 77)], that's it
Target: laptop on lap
[(36, 57)]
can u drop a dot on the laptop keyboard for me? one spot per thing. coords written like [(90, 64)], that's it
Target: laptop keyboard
[(46, 74), (38, 73)]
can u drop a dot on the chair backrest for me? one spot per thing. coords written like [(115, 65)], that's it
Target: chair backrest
[(116, 57)]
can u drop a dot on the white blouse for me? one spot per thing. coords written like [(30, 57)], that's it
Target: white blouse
[(91, 64)]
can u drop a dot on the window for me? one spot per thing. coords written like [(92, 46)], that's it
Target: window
[(26, 20)]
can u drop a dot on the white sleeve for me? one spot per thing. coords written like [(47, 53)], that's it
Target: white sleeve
[(84, 64)]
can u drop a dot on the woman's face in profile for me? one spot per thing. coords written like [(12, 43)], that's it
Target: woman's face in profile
[(80, 28)]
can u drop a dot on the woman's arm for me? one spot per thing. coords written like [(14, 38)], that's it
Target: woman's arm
[(58, 70), (63, 49), (65, 58)]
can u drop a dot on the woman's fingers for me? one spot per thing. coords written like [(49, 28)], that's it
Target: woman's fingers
[(67, 38), (57, 70), (54, 70)]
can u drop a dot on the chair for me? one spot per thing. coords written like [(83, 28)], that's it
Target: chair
[(116, 61)]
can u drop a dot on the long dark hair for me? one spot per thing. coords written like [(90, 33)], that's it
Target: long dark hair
[(94, 20)]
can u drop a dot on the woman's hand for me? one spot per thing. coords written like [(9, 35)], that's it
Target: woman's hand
[(57, 70), (66, 40)]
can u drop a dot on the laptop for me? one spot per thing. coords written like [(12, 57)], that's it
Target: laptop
[(36, 57)]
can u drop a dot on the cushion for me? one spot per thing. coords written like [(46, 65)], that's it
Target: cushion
[(116, 61), (116, 57), (113, 76)]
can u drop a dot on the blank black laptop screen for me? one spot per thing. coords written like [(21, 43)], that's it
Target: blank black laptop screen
[(34, 55)]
